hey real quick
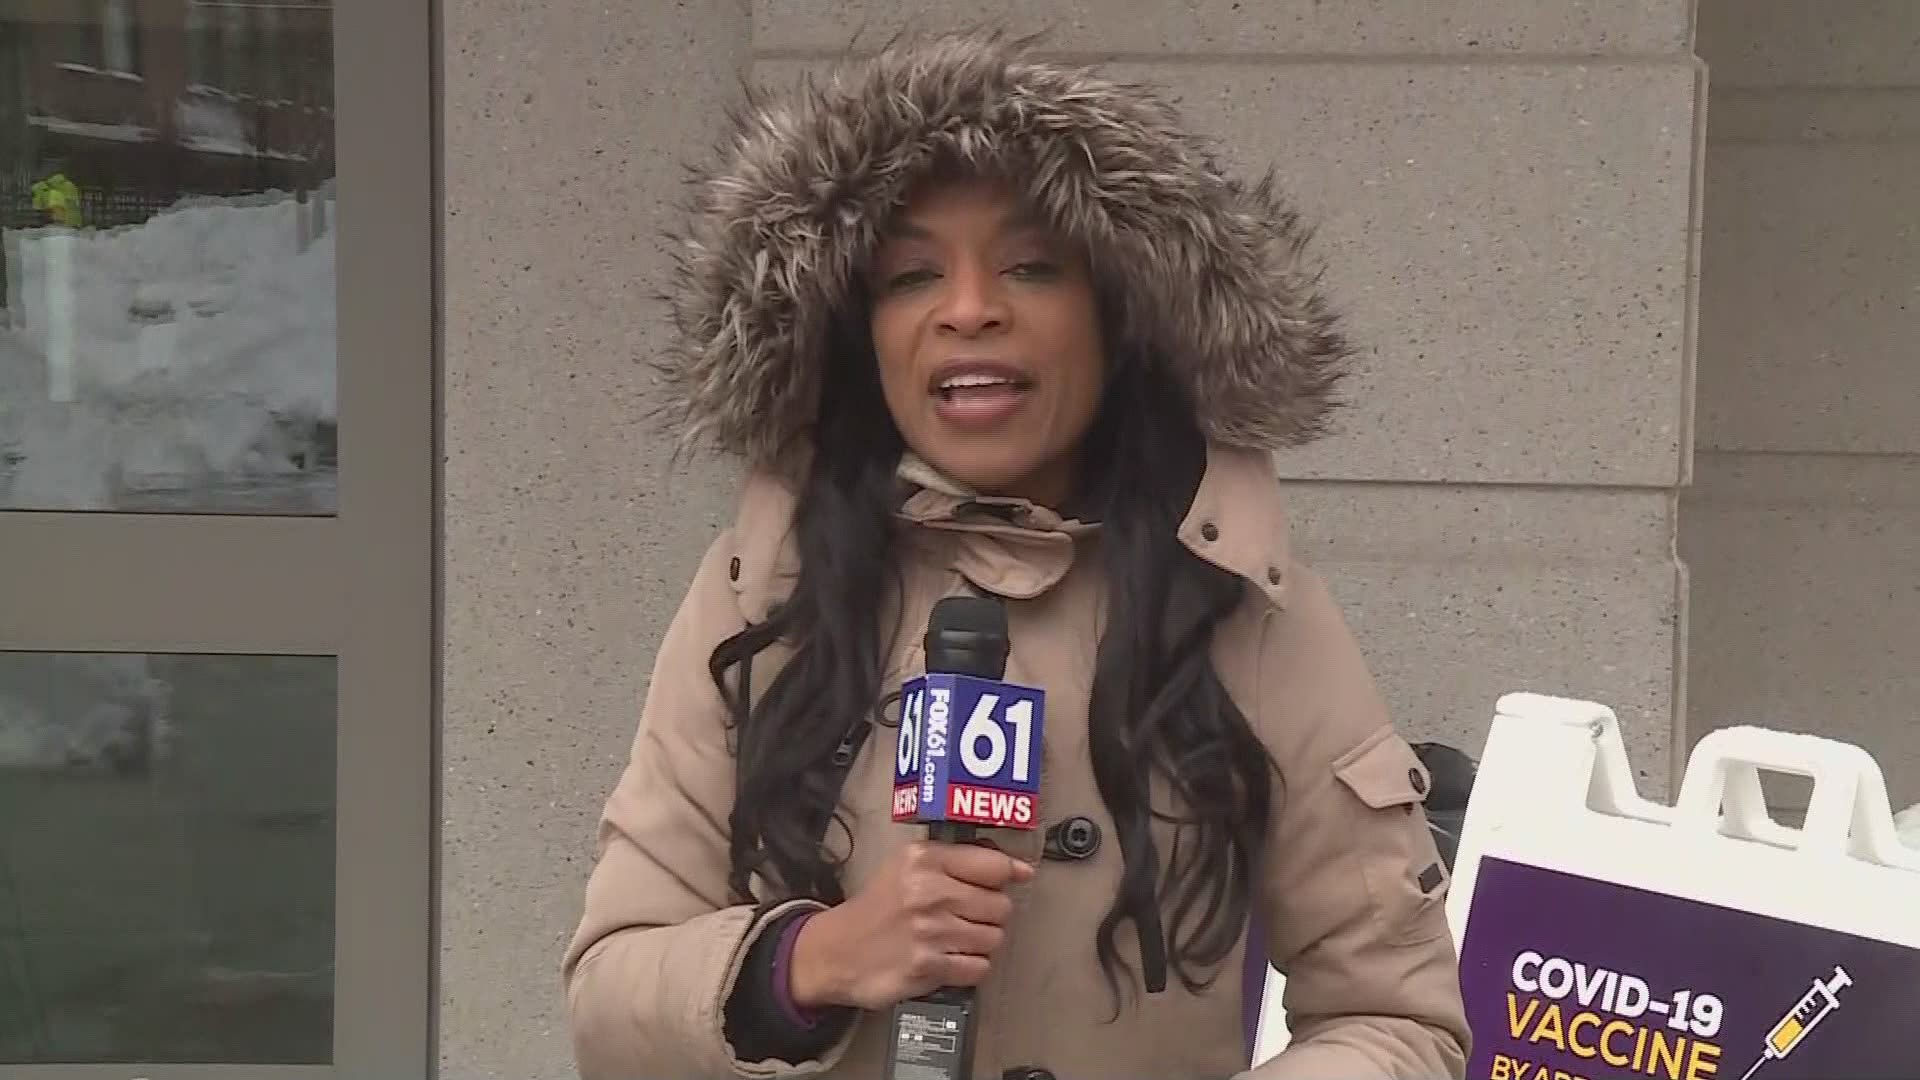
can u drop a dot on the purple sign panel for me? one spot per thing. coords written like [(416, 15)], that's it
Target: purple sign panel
[(1570, 978)]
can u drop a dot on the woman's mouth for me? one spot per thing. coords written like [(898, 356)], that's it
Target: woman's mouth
[(978, 397)]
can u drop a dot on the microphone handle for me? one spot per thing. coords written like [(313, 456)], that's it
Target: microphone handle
[(933, 1034), (951, 832)]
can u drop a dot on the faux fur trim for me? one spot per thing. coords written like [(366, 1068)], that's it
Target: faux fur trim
[(1211, 273)]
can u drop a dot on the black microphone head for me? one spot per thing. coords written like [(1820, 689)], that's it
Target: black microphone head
[(967, 635)]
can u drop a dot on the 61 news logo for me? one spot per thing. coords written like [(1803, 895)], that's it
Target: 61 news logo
[(969, 751)]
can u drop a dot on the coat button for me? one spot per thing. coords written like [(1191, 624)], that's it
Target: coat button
[(1273, 575), (1027, 1072), (1073, 839), (1419, 782), (1210, 532)]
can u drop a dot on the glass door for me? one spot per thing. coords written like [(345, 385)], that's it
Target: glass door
[(216, 538)]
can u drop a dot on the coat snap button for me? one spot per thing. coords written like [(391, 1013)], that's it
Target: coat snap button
[(1073, 839), (1210, 532), (1419, 782)]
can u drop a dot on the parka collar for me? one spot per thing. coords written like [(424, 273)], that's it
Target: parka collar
[(1019, 549)]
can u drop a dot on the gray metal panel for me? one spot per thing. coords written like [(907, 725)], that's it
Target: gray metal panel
[(100, 582), (385, 82), (181, 1073)]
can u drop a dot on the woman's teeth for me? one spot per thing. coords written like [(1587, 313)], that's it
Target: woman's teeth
[(963, 384)]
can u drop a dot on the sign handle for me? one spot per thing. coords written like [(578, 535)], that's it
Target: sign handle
[(1847, 814)]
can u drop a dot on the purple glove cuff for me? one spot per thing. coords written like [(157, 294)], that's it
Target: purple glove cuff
[(804, 1019)]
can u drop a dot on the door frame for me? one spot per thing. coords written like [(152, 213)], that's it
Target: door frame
[(361, 585)]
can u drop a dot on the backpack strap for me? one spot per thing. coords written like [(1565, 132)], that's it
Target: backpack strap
[(843, 754)]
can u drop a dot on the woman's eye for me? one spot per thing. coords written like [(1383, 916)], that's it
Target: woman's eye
[(909, 278), (1035, 268)]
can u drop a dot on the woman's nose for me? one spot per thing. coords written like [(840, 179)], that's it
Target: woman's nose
[(973, 302)]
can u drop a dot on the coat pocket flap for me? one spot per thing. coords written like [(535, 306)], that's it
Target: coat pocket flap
[(1384, 771)]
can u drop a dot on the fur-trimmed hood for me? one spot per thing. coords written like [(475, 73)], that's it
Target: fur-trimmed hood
[(1211, 272)]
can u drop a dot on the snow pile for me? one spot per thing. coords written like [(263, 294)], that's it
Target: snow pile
[(197, 348), (88, 711)]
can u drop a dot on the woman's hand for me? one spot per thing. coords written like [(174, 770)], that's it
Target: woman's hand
[(933, 916)]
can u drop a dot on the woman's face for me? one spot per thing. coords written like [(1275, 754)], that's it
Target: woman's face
[(988, 340)]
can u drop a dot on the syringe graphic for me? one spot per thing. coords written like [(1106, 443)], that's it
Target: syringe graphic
[(1814, 1006)]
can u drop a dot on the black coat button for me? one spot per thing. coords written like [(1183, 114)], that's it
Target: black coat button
[(1419, 782), (1210, 532), (1073, 839)]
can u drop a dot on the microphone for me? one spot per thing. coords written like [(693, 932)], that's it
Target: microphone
[(967, 756)]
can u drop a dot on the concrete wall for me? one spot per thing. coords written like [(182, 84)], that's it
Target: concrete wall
[(1508, 189), (1800, 527), (567, 545)]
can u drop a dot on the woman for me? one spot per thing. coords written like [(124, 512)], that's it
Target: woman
[(978, 324)]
